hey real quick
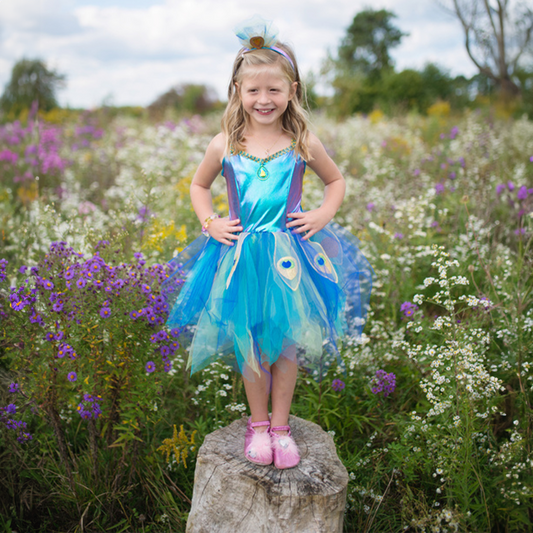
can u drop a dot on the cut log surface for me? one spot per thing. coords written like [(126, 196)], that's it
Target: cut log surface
[(234, 495)]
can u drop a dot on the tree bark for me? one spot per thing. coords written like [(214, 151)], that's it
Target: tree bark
[(232, 495)]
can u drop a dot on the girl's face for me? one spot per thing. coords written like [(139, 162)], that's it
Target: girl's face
[(265, 93)]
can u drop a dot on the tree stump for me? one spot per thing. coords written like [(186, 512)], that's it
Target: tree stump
[(234, 495)]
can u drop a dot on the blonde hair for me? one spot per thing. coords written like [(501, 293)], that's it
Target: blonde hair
[(294, 119)]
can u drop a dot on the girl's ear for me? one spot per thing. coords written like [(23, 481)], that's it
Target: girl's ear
[(293, 89)]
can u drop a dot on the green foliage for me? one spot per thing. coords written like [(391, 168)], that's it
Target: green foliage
[(186, 98), (449, 449), (368, 41), (31, 81)]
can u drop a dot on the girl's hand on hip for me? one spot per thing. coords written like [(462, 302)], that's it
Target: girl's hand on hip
[(223, 230), (309, 221)]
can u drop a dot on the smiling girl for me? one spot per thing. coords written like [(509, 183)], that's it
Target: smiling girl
[(271, 287)]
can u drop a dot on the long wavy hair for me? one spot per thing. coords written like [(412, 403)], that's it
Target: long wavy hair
[(294, 119)]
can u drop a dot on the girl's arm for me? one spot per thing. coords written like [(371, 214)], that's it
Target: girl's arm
[(335, 186), (221, 229)]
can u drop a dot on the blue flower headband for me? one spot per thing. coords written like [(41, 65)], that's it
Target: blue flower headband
[(257, 33)]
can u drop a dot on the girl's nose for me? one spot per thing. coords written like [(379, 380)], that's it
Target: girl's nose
[(263, 97)]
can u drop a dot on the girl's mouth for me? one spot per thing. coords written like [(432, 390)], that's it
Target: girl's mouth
[(264, 111)]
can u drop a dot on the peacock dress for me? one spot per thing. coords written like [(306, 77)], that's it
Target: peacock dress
[(272, 295)]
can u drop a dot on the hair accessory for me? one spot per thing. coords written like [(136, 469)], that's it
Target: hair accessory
[(206, 223), (257, 33)]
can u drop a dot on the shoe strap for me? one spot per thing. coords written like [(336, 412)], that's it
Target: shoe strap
[(281, 428), (259, 424)]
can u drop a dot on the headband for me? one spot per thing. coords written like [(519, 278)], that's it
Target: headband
[(257, 33)]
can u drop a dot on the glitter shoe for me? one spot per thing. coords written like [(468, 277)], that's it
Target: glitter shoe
[(284, 449), (258, 445)]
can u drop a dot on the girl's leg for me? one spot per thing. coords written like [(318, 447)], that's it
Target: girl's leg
[(284, 375), (257, 393)]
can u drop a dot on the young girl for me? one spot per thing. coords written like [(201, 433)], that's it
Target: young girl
[(270, 287)]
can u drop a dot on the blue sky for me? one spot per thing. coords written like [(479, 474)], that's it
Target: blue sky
[(131, 51)]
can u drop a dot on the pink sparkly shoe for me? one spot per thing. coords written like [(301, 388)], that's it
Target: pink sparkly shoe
[(258, 445), (284, 449)]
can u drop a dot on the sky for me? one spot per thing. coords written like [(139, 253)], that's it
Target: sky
[(128, 52)]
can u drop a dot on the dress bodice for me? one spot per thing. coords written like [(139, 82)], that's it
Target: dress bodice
[(261, 192)]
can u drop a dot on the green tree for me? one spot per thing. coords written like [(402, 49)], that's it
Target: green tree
[(437, 82), (368, 41), (404, 90), (188, 98), (363, 57), (31, 81)]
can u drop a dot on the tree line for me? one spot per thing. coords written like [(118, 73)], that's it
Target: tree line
[(361, 74)]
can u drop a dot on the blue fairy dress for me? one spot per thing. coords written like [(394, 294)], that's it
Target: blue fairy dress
[(272, 294)]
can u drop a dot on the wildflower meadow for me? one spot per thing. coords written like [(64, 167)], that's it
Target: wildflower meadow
[(431, 413)]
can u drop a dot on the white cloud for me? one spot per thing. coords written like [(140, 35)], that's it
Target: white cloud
[(137, 50)]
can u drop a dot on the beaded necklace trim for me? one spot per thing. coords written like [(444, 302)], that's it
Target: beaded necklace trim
[(262, 172), (264, 160)]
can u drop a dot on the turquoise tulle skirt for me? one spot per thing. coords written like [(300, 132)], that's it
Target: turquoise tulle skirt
[(272, 295)]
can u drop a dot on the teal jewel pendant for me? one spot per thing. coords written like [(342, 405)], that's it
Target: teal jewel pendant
[(262, 172)]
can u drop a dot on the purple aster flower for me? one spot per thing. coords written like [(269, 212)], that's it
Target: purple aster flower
[(398, 235), (168, 366), (384, 382), (452, 175), (531, 158), (454, 131), (50, 336), (510, 185), (416, 172), (174, 346), (17, 306), (150, 366), (58, 306), (522, 193), (175, 332), (23, 269), (134, 315), (146, 288), (165, 350), (59, 335), (72, 376), (11, 409), (105, 312), (520, 231), (439, 188), (337, 385), (47, 284), (408, 309), (14, 387), (162, 335), (500, 188), (81, 283), (69, 273), (370, 206)]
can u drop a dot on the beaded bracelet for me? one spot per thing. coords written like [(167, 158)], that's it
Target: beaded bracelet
[(206, 223)]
